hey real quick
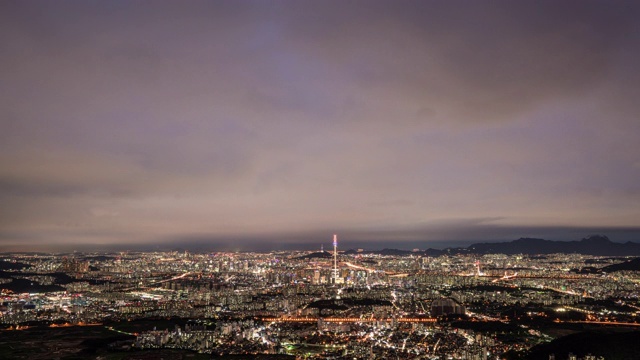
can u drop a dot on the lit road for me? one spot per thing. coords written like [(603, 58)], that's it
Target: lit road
[(352, 320), (604, 323)]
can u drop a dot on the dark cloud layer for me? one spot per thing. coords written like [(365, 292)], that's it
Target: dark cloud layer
[(127, 122)]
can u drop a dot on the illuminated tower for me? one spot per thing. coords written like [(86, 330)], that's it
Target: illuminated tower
[(335, 259)]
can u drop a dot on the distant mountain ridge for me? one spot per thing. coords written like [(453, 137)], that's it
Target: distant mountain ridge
[(598, 245), (594, 245)]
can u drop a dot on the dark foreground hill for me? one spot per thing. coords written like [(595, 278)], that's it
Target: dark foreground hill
[(631, 265), (610, 345)]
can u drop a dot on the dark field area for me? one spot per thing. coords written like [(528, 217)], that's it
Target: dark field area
[(80, 342), (84, 342), (138, 326)]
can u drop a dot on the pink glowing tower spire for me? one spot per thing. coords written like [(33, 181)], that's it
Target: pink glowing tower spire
[(335, 258)]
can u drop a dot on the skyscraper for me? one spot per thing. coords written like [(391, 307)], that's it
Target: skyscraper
[(336, 279)]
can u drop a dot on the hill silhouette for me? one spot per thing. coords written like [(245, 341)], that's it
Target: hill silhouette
[(631, 265), (317, 255), (594, 245)]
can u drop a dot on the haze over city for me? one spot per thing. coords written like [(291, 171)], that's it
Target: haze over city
[(236, 123)]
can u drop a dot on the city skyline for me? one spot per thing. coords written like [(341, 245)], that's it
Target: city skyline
[(389, 123), (289, 303)]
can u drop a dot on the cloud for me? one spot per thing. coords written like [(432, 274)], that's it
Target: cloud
[(239, 118), (100, 212)]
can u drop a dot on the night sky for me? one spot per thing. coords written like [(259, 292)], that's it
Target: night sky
[(235, 123)]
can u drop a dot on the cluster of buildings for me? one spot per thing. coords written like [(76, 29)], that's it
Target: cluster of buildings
[(323, 304)]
